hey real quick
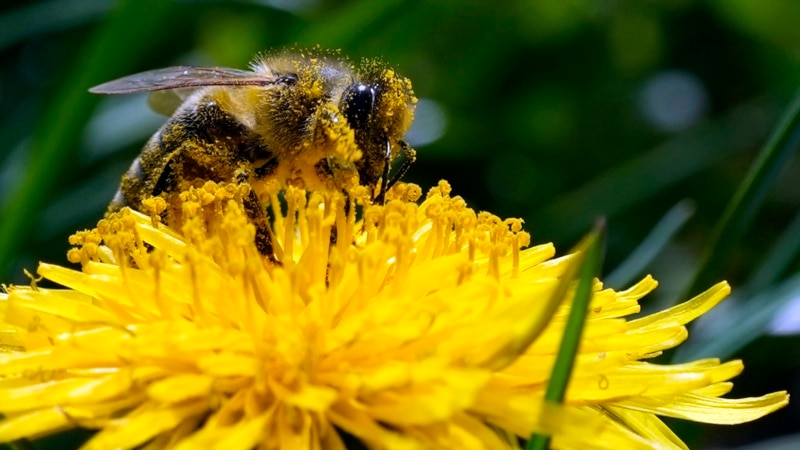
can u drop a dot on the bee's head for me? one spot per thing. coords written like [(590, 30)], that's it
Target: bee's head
[(324, 109), (379, 108)]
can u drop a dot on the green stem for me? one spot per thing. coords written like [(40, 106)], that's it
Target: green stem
[(591, 247)]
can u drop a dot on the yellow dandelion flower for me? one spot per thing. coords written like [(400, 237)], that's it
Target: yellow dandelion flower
[(418, 325)]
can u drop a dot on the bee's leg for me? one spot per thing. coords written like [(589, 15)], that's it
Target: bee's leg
[(411, 157), (258, 217), (266, 169), (387, 159), (261, 164), (167, 182), (255, 211)]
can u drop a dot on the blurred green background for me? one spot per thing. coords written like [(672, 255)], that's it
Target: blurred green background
[(556, 111)]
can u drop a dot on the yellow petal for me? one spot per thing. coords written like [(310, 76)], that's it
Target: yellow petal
[(701, 408), (307, 396), (178, 388), (143, 424), (427, 402), (33, 424), (63, 392), (687, 311), (245, 434), (586, 428), (648, 426)]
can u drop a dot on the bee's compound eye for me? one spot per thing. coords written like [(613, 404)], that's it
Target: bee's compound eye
[(288, 79), (357, 104)]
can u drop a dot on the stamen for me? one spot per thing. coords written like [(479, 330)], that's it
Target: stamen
[(158, 262)]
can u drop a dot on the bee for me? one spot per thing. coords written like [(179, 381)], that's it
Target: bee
[(306, 118)]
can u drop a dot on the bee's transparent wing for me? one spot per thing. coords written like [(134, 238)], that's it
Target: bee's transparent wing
[(180, 77)]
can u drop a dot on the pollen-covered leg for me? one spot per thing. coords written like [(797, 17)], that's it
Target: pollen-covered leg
[(258, 216)]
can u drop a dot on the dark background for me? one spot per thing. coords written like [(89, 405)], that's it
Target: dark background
[(556, 111)]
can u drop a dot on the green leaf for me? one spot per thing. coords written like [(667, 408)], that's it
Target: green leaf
[(761, 300), (778, 260), (37, 18), (128, 34), (652, 245), (748, 198), (787, 442), (633, 182), (337, 30)]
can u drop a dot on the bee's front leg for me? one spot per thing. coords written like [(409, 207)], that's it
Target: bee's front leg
[(410, 158)]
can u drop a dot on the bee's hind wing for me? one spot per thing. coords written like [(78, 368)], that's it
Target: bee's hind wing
[(180, 77), (167, 101)]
